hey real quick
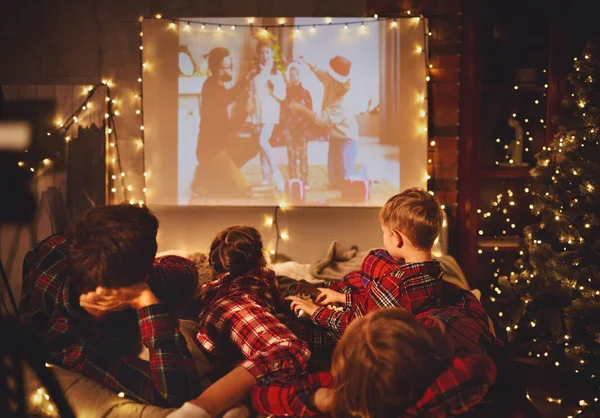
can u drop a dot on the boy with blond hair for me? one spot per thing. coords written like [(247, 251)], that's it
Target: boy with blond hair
[(404, 275)]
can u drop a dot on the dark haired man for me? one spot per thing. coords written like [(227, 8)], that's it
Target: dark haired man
[(90, 296), (216, 126)]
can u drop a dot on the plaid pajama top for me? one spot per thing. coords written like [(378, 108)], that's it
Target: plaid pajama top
[(238, 327), (106, 350), (418, 287)]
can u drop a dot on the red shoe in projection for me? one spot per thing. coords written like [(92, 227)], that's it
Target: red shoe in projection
[(356, 190), (295, 190)]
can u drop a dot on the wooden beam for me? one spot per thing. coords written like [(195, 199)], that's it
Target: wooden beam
[(469, 144)]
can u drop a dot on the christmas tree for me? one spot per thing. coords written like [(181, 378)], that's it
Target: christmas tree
[(558, 276)]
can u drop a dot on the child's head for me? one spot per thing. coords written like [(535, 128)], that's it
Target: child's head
[(410, 220), (237, 250), (384, 363), (293, 73)]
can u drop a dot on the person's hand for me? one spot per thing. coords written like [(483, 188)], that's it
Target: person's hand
[(104, 300), (251, 74), (299, 304), (188, 410), (310, 65), (328, 296), (295, 106)]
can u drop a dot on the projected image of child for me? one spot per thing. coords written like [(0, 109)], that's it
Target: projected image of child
[(295, 126), (267, 90), (335, 116)]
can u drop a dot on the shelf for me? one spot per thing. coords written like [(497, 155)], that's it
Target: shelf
[(506, 89), (508, 243), (506, 172)]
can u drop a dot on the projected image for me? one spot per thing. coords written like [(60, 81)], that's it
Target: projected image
[(287, 113)]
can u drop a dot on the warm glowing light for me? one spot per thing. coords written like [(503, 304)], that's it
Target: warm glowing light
[(268, 221), (282, 21), (284, 236), (187, 27), (47, 161), (129, 188), (394, 24), (172, 25), (250, 20), (158, 16), (419, 50), (121, 395), (132, 201), (232, 27), (432, 143), (283, 205), (114, 190), (313, 29)]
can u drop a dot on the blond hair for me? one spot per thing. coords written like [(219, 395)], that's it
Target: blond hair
[(415, 213), (384, 363)]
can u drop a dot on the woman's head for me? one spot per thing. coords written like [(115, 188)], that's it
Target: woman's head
[(384, 363), (264, 50), (236, 250)]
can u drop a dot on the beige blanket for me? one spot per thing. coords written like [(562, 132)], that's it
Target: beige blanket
[(338, 262)]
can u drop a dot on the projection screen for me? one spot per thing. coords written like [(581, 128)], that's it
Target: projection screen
[(324, 115)]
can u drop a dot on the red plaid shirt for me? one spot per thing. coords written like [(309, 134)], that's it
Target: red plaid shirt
[(418, 288), (238, 327), (106, 350), (455, 391)]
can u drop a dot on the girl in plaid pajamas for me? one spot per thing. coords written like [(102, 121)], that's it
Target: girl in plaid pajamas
[(238, 327)]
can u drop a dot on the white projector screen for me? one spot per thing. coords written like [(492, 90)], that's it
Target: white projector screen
[(330, 115)]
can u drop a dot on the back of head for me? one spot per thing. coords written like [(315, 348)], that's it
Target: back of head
[(384, 363), (112, 246), (237, 250), (415, 213)]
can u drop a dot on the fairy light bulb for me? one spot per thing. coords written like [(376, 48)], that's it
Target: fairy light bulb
[(282, 21), (284, 236), (394, 24), (328, 20)]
